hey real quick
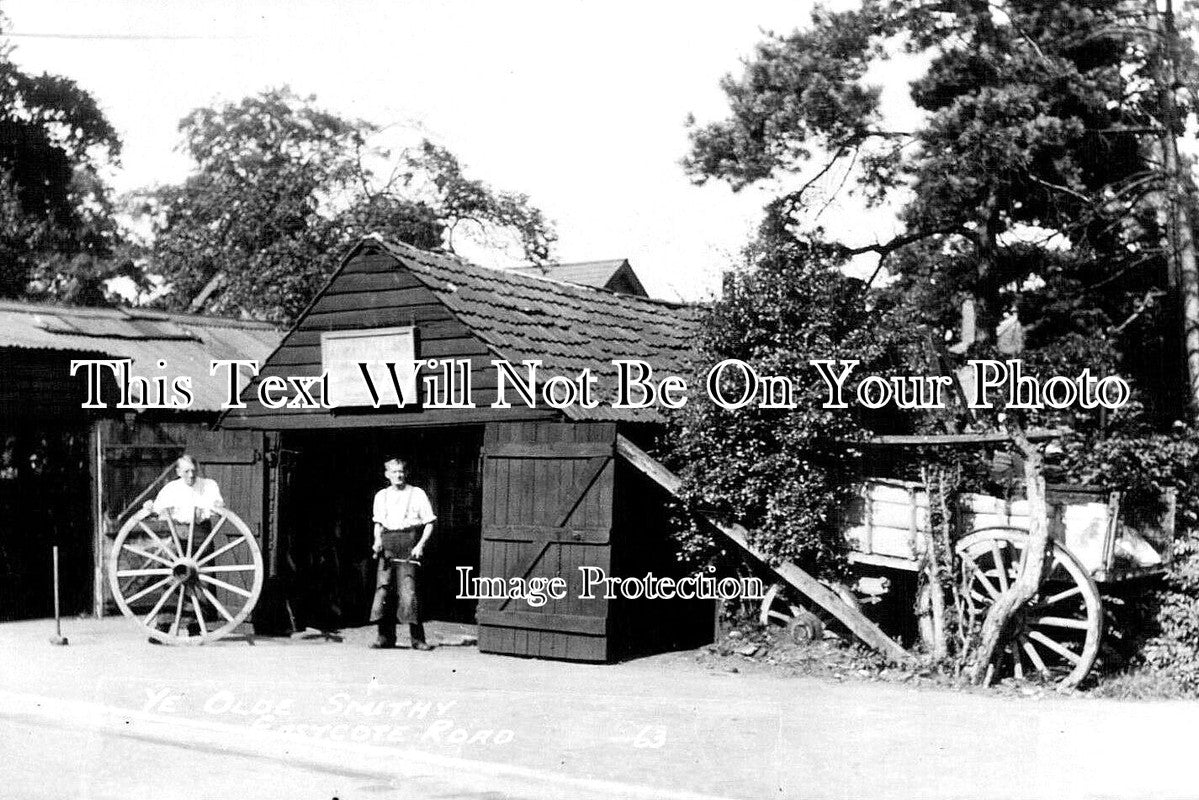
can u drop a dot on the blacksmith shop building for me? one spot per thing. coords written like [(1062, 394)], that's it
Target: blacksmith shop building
[(519, 492)]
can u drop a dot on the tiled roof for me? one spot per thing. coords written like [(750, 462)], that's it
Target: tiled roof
[(567, 327), (587, 273), (186, 342)]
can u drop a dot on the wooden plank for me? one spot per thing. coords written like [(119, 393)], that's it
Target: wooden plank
[(568, 623), (428, 331), (376, 317), (963, 438), (378, 298), (579, 489), (349, 282), (456, 347), (546, 533), (820, 594), (549, 450), (315, 419)]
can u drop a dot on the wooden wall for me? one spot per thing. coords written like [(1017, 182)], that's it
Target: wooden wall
[(375, 291)]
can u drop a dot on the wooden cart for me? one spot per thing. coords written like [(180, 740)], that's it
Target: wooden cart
[(1095, 543)]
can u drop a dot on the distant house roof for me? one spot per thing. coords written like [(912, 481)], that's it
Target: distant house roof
[(568, 327), (616, 275), (186, 342)]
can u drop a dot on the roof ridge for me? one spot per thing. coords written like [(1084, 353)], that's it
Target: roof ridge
[(404, 250)]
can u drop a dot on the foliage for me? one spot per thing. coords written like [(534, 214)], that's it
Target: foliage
[(1032, 183), (281, 187), (58, 237), (781, 472), (1145, 468)]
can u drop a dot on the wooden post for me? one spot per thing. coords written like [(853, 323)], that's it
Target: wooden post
[(817, 592)]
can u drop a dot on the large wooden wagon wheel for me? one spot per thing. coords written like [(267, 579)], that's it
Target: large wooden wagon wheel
[(1056, 636), (185, 584)]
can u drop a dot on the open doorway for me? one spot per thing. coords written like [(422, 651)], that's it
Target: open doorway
[(325, 519)]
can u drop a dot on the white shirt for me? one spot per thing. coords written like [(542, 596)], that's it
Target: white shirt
[(397, 509), (188, 502)]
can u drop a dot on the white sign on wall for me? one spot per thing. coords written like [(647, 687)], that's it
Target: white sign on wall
[(388, 354)]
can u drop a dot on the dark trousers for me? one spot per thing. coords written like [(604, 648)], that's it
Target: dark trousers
[(395, 587)]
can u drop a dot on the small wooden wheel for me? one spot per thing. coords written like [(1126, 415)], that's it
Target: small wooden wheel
[(185, 583), (805, 628), (778, 610), (1057, 635)]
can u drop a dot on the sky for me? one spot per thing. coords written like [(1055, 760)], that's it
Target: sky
[(580, 104)]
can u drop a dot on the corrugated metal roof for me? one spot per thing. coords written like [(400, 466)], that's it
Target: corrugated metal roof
[(186, 342), (568, 327)]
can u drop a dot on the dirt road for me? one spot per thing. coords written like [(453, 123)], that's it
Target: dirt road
[(650, 728)]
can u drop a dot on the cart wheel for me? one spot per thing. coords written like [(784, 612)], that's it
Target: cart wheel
[(805, 628), (183, 584), (1057, 635), (778, 610)]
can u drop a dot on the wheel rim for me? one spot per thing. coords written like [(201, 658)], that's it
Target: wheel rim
[(1056, 637), (776, 609), (182, 584)]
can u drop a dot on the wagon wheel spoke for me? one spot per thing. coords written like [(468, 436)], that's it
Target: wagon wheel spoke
[(981, 577), (229, 568), (228, 587), (210, 536), (1073, 591), (1034, 656), (162, 601), (224, 612), (191, 533), (128, 584), (174, 534), (195, 597), (1062, 622), (157, 540), (127, 573), (1000, 565), (178, 615), (148, 589), (1062, 651), (228, 546), (146, 555)]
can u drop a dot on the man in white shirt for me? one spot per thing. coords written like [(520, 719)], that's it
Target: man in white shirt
[(188, 498), (403, 522)]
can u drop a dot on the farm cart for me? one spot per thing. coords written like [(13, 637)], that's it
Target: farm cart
[(186, 583), (1095, 545)]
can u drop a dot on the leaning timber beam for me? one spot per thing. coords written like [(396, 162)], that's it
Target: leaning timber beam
[(817, 592)]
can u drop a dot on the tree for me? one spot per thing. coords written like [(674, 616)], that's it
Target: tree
[(785, 473), (1031, 186), (58, 237), (280, 189)]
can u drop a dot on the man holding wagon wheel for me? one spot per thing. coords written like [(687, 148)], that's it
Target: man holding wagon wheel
[(403, 522)]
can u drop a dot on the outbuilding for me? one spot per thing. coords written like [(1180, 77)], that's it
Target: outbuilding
[(528, 490), (69, 474)]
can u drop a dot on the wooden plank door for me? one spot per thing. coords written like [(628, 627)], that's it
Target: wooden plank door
[(547, 510)]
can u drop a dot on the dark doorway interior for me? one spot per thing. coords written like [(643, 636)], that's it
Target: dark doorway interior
[(325, 519), (44, 501)]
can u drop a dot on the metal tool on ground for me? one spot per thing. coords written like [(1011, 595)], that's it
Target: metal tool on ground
[(57, 638)]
